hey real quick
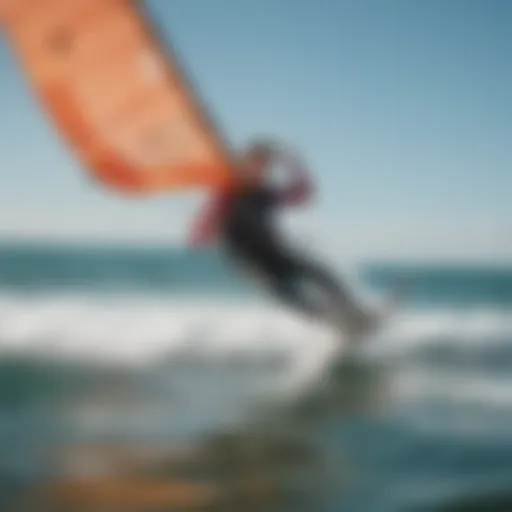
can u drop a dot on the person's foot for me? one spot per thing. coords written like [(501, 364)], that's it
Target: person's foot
[(362, 323)]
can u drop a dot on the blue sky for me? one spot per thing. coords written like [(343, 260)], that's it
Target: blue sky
[(403, 110)]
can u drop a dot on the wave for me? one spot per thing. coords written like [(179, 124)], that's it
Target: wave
[(135, 327), (140, 331), (190, 365)]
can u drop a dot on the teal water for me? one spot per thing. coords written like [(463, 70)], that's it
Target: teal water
[(424, 419), (40, 267)]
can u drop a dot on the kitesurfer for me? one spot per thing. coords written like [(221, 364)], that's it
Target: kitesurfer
[(242, 220)]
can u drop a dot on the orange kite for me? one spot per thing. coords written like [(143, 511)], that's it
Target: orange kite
[(117, 98)]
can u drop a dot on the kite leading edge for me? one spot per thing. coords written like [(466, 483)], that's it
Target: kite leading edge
[(118, 99)]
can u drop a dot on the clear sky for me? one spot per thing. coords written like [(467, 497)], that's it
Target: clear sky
[(403, 110)]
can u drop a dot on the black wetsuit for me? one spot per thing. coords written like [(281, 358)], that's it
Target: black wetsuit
[(248, 234)]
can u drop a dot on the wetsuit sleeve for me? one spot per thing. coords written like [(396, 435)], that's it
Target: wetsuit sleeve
[(299, 190), (206, 225)]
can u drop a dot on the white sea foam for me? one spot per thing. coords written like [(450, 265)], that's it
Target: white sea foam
[(135, 330)]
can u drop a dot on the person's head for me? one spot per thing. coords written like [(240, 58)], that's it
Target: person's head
[(254, 163)]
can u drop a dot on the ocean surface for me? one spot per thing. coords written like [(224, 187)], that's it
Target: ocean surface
[(139, 344)]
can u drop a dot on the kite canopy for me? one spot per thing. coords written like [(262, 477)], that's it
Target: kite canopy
[(119, 100)]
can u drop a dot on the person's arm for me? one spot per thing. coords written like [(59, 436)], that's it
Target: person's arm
[(207, 221), (299, 189)]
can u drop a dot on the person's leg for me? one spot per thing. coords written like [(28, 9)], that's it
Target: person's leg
[(315, 291), (276, 275), (338, 304), (287, 290), (332, 290), (300, 283), (305, 286)]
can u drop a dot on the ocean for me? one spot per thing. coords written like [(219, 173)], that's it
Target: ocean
[(141, 345)]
